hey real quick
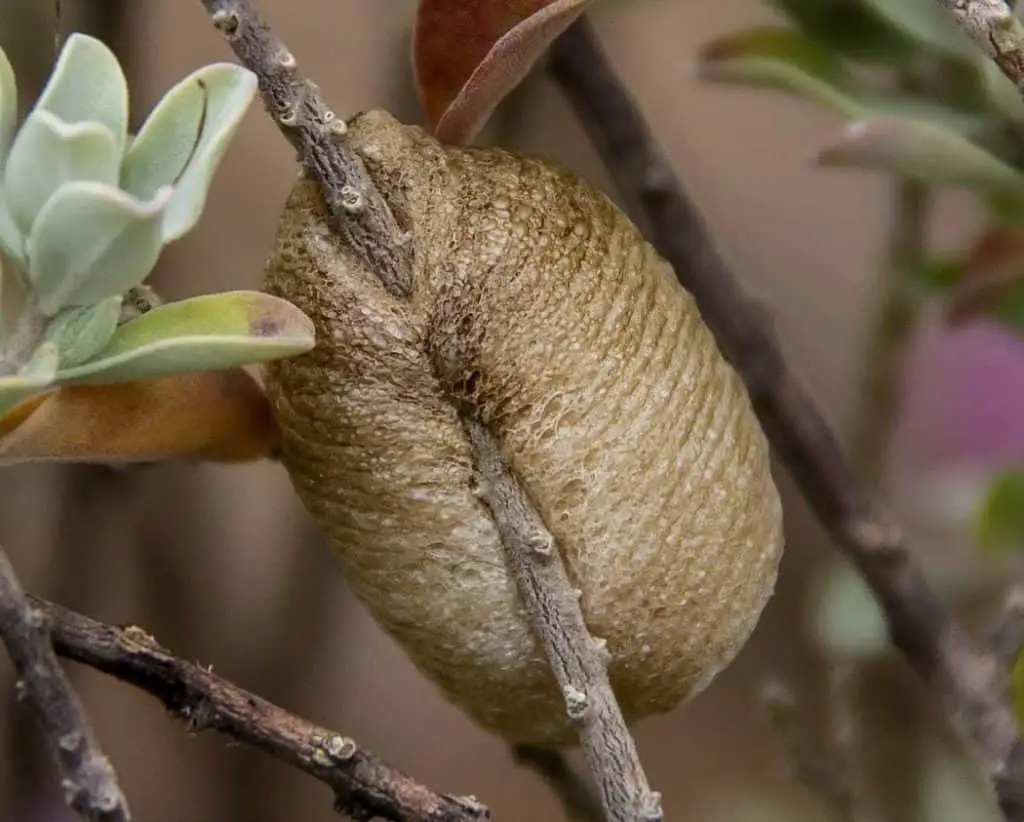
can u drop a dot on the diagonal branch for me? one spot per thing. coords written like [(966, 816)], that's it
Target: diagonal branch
[(365, 787), (88, 779), (359, 212), (968, 678), (578, 660)]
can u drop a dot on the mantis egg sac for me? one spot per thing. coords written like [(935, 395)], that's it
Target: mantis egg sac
[(591, 366)]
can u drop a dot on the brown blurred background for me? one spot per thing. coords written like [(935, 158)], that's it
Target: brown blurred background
[(222, 565)]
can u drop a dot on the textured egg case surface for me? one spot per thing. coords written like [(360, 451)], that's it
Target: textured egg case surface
[(536, 302)]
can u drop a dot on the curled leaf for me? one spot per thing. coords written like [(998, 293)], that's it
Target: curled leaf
[(88, 86), (205, 333), (784, 60), (91, 241), (47, 154), (467, 56), (923, 151), (219, 416), (184, 138)]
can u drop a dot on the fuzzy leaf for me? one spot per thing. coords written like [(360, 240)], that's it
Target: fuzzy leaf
[(80, 333), (922, 151), (205, 333), (47, 154), (925, 22), (11, 241), (8, 103), (88, 85), (781, 59), (220, 416), (467, 56), (91, 242), (1000, 519), (184, 139)]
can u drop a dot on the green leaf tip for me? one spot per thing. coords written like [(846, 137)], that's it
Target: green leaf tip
[(207, 333)]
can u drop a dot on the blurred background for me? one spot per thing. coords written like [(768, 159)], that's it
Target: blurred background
[(223, 566)]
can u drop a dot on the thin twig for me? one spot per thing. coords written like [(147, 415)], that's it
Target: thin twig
[(359, 212), (578, 660), (892, 327), (968, 678), (578, 802), (365, 787), (993, 26), (1008, 631), (87, 777), (824, 772)]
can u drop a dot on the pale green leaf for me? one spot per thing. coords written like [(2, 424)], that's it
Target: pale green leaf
[(923, 151), (781, 59), (12, 243), (927, 23), (91, 242), (8, 103), (205, 333), (88, 85), (184, 139), (81, 332), (847, 622), (48, 153)]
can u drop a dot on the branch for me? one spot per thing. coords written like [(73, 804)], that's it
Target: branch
[(578, 660), (969, 679), (579, 803), (359, 212), (1008, 632), (88, 779), (993, 26), (365, 787)]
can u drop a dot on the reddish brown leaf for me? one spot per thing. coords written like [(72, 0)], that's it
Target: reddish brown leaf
[(469, 54), (213, 415)]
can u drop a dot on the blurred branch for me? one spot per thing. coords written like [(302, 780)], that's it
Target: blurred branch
[(578, 660), (910, 201), (88, 779), (993, 26), (825, 773), (1008, 631), (967, 677), (579, 803), (359, 211), (365, 787)]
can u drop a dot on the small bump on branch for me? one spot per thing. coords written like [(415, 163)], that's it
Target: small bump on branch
[(294, 104)]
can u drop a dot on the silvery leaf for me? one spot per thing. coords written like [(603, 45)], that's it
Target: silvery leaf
[(184, 139), (11, 241), (48, 153), (208, 333), (88, 85), (8, 103), (79, 333), (90, 242)]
